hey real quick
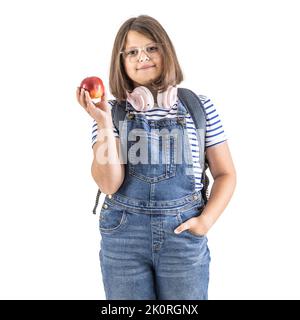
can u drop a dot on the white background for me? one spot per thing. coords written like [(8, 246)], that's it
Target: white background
[(244, 55)]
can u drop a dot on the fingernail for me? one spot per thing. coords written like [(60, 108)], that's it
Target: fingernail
[(176, 231)]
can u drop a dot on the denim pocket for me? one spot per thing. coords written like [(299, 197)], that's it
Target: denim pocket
[(111, 218), (157, 161), (188, 214)]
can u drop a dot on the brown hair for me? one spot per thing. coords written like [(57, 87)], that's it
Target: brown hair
[(171, 74)]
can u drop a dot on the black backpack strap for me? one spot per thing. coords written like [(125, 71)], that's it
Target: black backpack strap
[(118, 113), (196, 109)]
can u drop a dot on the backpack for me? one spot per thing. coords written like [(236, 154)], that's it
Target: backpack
[(196, 109)]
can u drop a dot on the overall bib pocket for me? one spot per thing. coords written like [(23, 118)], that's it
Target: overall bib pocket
[(152, 158), (111, 219)]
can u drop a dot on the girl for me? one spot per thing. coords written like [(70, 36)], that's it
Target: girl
[(153, 221)]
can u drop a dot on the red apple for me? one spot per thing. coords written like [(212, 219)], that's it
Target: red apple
[(94, 86)]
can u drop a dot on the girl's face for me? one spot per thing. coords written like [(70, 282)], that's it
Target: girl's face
[(142, 68)]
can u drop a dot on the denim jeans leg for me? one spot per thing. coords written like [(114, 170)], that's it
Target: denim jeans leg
[(191, 285), (182, 264), (122, 284), (125, 255)]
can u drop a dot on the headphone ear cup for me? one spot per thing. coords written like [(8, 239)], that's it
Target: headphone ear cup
[(141, 99), (147, 98), (167, 98)]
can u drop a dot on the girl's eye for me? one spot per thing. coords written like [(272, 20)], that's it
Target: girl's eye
[(132, 52), (152, 49)]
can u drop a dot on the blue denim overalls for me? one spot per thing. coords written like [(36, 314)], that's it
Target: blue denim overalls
[(140, 256)]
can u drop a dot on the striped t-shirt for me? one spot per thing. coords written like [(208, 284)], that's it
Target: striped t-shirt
[(214, 130)]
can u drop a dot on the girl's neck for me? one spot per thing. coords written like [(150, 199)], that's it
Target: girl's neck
[(154, 94)]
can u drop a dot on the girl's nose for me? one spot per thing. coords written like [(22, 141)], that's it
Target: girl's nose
[(143, 56)]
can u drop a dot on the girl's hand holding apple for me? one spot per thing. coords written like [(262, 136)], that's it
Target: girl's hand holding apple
[(91, 88)]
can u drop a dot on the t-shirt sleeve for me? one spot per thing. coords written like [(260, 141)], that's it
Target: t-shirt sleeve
[(95, 129), (214, 129)]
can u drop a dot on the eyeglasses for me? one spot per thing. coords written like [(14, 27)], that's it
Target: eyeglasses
[(151, 51)]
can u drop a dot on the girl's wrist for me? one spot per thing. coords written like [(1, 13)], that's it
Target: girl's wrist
[(106, 124), (206, 220)]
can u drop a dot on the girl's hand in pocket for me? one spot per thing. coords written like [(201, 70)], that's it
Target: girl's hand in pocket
[(196, 225)]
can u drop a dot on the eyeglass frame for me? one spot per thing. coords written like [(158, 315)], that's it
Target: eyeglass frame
[(140, 49)]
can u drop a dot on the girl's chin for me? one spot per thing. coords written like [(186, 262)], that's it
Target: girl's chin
[(145, 83)]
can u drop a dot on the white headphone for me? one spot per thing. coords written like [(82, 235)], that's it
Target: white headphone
[(142, 99)]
